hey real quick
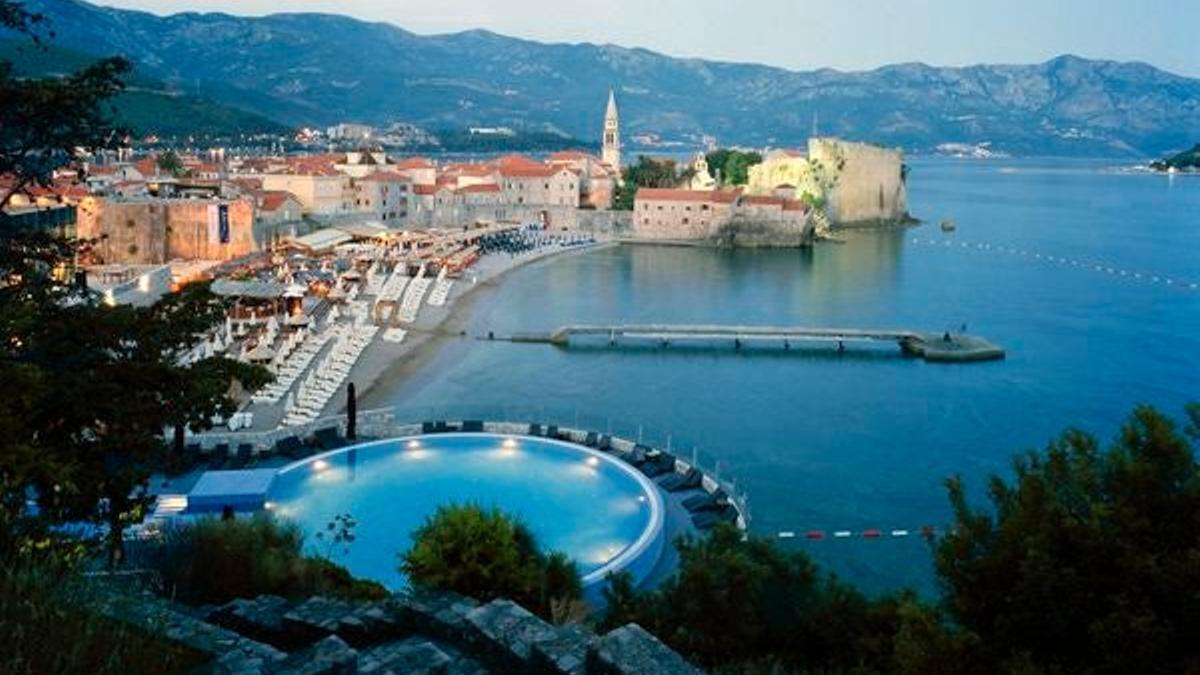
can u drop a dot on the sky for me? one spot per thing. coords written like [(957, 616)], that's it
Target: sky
[(797, 34)]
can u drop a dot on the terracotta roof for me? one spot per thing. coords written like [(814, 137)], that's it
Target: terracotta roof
[(422, 189), (674, 195), (480, 188), (515, 160), (108, 170), (146, 167), (59, 189), (794, 205), (385, 177), (414, 163), (469, 169), (271, 200), (533, 171), (762, 200)]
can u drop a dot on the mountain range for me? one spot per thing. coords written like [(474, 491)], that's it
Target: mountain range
[(319, 69)]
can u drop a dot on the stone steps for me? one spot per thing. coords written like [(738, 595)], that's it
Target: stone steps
[(424, 633)]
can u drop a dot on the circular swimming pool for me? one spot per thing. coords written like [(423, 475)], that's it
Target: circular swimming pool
[(604, 514)]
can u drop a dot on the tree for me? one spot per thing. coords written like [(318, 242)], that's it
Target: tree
[(45, 122), (733, 165), (486, 554), (92, 387), (169, 161), (104, 383), (652, 173), (736, 602), (1086, 561)]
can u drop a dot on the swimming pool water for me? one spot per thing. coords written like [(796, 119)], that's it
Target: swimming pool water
[(600, 512)]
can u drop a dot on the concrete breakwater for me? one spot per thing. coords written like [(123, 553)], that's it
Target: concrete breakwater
[(945, 347)]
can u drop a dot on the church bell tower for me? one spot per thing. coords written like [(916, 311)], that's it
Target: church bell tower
[(612, 134)]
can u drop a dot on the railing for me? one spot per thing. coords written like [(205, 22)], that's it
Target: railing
[(388, 422)]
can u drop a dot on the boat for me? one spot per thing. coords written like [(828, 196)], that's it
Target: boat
[(948, 226)]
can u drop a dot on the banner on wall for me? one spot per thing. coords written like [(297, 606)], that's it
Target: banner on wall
[(223, 222)]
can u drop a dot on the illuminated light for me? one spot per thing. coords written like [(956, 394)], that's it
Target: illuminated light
[(269, 506), (414, 444), (510, 443), (642, 498), (320, 465), (144, 283), (109, 298), (593, 461)]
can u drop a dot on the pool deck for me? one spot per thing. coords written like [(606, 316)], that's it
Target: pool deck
[(676, 519)]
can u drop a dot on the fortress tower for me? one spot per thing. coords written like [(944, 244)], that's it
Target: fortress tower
[(611, 153)]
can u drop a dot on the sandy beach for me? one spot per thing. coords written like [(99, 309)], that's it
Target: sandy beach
[(384, 365)]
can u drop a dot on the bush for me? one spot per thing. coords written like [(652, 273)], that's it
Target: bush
[(749, 606), (486, 554), (49, 628), (214, 561)]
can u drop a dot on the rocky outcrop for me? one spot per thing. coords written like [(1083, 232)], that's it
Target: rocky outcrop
[(425, 633), (630, 650)]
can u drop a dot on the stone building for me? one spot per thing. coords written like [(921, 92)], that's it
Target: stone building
[(322, 192), (153, 231), (611, 153), (870, 181), (861, 183), (723, 217), (384, 195), (596, 178), (539, 185)]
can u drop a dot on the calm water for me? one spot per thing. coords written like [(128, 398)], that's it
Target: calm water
[(822, 441), (589, 510)]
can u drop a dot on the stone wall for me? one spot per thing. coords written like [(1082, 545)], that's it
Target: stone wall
[(424, 633), (155, 231), (869, 187), (559, 218)]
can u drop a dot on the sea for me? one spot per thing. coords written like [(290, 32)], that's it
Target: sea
[(1085, 273)]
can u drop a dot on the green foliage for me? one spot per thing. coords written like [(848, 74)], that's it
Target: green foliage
[(170, 162), (486, 554), (733, 166), (147, 106), (1087, 560), (1188, 159), (49, 627), (99, 386), (624, 195), (214, 561), (651, 173), (46, 120), (749, 604)]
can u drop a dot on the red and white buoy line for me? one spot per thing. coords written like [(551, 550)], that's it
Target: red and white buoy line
[(1099, 267), (925, 532)]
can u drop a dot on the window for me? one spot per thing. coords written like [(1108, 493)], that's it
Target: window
[(704, 207), (685, 221)]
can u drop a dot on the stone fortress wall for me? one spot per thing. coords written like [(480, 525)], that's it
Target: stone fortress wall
[(862, 183), (870, 183)]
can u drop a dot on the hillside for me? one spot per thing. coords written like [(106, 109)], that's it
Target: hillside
[(312, 69), (147, 106), (1188, 160)]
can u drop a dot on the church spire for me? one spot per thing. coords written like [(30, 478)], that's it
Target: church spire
[(611, 153)]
